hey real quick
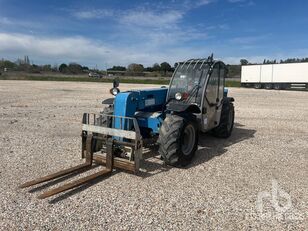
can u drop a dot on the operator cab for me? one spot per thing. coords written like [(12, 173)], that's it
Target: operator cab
[(197, 86)]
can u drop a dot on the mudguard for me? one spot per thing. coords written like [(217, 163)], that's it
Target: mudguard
[(181, 107), (108, 101)]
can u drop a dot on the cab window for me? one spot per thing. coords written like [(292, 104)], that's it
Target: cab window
[(212, 86), (222, 72)]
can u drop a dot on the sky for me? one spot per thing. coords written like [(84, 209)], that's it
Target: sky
[(117, 32)]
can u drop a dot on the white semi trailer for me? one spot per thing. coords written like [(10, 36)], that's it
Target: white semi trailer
[(277, 76)]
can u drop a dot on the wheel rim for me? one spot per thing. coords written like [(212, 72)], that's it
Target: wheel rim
[(188, 139)]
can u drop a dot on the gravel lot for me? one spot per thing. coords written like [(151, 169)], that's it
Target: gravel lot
[(40, 133)]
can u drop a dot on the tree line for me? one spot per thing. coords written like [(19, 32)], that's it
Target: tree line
[(26, 66), (137, 69), (163, 68), (75, 68)]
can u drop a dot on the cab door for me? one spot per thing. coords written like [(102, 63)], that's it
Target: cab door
[(212, 103)]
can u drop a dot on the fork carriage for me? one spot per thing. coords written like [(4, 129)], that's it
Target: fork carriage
[(127, 137)]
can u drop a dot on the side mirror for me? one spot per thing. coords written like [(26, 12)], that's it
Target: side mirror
[(116, 82)]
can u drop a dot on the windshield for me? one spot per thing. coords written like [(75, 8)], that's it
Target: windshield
[(189, 80)]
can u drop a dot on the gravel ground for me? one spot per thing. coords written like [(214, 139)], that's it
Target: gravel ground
[(40, 133)]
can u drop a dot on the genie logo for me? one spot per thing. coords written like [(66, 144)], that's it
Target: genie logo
[(276, 196)]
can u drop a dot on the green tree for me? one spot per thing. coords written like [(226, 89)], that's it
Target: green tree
[(165, 67), (63, 68), (85, 68), (75, 68), (148, 69), (135, 68), (156, 67), (34, 69), (46, 67), (244, 62), (117, 68), (7, 64), (234, 71)]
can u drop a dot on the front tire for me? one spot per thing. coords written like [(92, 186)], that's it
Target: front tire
[(178, 140)]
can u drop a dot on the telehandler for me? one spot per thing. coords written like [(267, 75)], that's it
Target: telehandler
[(168, 118)]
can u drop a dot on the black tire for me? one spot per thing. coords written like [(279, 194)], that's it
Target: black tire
[(226, 123), (104, 122), (178, 140), (277, 86), (268, 86), (257, 85)]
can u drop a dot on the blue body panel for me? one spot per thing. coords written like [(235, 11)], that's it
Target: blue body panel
[(151, 120), (145, 105), (149, 100), (124, 105)]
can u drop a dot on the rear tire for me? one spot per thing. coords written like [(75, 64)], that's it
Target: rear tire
[(226, 123), (178, 140)]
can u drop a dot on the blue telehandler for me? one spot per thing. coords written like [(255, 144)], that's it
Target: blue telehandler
[(168, 119)]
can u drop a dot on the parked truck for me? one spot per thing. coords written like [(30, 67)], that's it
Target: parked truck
[(275, 76)]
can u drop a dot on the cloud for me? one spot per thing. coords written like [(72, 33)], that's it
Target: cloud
[(246, 40), (147, 13), (5, 21), (159, 23), (136, 17), (151, 18), (243, 3), (86, 51), (236, 1), (158, 30), (151, 35), (68, 48), (192, 4), (218, 27), (203, 2), (93, 14), (11, 23), (146, 34), (42, 50)]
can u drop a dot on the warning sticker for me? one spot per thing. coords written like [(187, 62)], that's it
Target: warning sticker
[(149, 102)]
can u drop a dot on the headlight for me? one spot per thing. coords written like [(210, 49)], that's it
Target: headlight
[(114, 91), (178, 96)]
